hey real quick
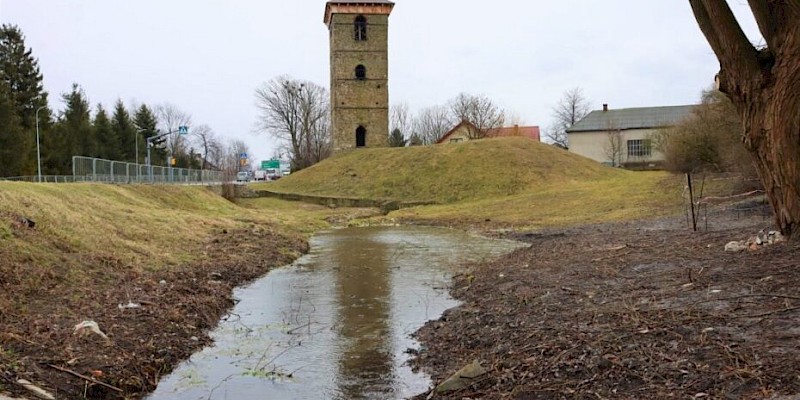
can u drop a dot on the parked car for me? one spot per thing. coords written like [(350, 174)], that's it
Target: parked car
[(243, 177)]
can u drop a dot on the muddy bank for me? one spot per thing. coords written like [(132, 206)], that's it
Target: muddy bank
[(153, 319), (625, 311)]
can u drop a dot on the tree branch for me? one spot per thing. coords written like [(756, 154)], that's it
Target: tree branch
[(764, 14), (736, 54)]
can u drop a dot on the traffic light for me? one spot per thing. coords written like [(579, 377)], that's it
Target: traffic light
[(159, 142)]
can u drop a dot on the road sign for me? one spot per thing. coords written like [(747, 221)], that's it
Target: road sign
[(243, 156), (271, 164), (183, 130)]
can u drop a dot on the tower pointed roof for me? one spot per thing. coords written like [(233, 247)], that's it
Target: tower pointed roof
[(357, 7)]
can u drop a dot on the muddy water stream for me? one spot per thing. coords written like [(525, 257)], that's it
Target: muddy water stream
[(336, 323)]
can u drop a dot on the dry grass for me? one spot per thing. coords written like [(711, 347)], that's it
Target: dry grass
[(512, 182), (148, 226), (443, 173), (626, 197)]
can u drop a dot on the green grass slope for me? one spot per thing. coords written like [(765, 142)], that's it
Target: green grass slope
[(136, 224), (445, 173)]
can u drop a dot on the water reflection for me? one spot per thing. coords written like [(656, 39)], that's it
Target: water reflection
[(336, 324), (363, 293)]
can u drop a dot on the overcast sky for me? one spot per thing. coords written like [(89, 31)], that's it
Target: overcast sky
[(208, 56)]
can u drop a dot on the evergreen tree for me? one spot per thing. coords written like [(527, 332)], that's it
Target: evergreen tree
[(107, 141), (19, 71), (125, 131), (10, 132), (73, 134), (145, 121), (188, 159), (396, 139)]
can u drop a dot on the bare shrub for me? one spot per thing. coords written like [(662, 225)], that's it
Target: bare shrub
[(709, 140)]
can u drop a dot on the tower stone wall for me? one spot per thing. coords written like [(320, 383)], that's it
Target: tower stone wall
[(359, 101)]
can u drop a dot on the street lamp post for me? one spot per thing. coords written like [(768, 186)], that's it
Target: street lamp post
[(38, 152), (138, 131)]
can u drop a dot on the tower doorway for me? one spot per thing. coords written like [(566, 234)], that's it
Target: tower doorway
[(361, 137)]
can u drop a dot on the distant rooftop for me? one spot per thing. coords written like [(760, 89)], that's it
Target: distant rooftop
[(357, 7), (632, 118), (530, 132)]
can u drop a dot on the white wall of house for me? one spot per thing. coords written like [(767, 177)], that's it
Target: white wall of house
[(594, 145)]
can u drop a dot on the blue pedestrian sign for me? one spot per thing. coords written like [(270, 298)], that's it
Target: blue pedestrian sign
[(243, 156), (183, 130)]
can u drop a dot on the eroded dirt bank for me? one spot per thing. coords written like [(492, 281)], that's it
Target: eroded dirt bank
[(625, 312), (153, 320)]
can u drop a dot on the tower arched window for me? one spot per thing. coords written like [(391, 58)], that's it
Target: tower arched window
[(361, 28), (361, 72), (361, 136)]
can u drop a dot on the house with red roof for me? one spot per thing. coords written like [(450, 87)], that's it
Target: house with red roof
[(461, 132)]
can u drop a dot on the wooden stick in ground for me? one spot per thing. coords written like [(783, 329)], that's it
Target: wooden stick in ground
[(88, 378)]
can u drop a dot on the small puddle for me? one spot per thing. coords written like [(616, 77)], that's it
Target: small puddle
[(336, 323)]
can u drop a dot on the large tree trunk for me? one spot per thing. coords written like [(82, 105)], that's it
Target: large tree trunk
[(764, 84)]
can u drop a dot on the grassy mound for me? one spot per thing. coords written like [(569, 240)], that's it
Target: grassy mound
[(445, 173), (506, 182)]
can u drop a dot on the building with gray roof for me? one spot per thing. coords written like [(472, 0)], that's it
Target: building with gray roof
[(624, 137)]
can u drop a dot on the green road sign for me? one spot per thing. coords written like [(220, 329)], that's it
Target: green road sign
[(271, 164)]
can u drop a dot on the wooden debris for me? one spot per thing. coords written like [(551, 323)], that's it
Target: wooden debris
[(37, 391)]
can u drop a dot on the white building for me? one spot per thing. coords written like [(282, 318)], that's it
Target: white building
[(624, 137)]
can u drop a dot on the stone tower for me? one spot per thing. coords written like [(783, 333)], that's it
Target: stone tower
[(359, 35)]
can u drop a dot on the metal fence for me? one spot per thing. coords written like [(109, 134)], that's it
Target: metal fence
[(86, 169), (44, 179)]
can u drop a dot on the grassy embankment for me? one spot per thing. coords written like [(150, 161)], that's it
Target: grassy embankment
[(177, 250), (148, 226), (144, 228), (512, 182)]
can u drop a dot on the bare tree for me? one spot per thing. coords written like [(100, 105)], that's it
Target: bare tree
[(400, 118), (207, 142), (216, 154), (612, 148), (480, 111), (572, 107), (763, 84), (296, 112), (230, 161), (170, 118), (318, 143), (431, 124)]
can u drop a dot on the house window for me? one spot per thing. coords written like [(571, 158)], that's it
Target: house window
[(361, 72), (361, 28), (361, 137), (639, 148)]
